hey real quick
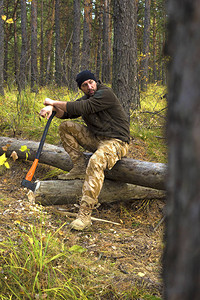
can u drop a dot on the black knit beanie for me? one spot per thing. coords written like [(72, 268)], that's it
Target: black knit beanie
[(83, 76)]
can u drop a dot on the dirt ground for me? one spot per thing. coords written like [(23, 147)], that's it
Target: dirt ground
[(135, 247)]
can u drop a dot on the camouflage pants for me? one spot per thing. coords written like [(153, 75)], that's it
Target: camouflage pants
[(106, 152)]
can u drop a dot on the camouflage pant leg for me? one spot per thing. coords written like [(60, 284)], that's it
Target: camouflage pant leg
[(105, 157), (74, 135)]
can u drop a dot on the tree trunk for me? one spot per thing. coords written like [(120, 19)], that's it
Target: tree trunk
[(1, 49), (34, 68), (41, 44), (49, 46), (86, 46), (16, 58), (125, 83), (182, 239), (106, 45), (24, 48), (146, 39), (99, 37), (58, 66), (154, 52), (76, 44), (126, 170), (6, 43), (69, 191)]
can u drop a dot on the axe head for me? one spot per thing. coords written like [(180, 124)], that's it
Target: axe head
[(29, 185)]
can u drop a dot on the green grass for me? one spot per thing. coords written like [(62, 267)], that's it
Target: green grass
[(148, 122), (36, 264)]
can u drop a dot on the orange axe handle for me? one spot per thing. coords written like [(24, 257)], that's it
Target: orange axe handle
[(31, 172)]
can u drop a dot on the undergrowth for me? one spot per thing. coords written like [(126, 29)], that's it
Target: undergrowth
[(35, 263)]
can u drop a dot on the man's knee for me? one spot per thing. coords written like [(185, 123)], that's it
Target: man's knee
[(64, 125), (97, 161)]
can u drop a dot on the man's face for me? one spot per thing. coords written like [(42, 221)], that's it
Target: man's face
[(89, 87)]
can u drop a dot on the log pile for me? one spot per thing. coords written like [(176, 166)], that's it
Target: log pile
[(129, 179)]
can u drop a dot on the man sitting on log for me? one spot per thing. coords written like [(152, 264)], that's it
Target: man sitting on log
[(106, 134)]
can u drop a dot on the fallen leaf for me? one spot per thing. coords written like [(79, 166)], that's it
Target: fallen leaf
[(17, 222), (14, 155), (5, 148), (141, 274)]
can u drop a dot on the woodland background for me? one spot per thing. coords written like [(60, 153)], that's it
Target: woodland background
[(43, 44), (49, 41)]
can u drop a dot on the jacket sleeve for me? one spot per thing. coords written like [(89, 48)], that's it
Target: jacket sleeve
[(102, 99)]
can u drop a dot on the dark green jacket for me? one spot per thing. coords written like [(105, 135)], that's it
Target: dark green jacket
[(102, 113)]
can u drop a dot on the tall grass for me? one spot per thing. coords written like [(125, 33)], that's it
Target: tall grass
[(36, 265), (148, 122)]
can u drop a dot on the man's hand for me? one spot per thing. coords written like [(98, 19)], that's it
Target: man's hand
[(46, 111), (49, 101)]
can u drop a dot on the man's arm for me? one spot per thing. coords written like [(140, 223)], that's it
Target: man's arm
[(60, 105), (52, 105)]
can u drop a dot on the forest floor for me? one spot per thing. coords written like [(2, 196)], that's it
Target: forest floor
[(118, 257)]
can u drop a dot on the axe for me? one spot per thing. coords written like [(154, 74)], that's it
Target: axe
[(27, 181)]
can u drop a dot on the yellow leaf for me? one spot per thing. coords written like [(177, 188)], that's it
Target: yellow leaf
[(23, 148), (10, 21), (3, 17), (17, 222), (2, 159), (7, 165), (14, 155), (141, 274)]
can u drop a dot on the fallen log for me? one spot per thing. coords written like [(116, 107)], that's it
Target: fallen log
[(127, 170), (58, 192)]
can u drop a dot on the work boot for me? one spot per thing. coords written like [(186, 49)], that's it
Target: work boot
[(83, 219), (77, 172)]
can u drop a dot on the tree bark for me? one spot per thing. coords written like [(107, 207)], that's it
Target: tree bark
[(106, 44), (49, 45), (24, 48), (146, 38), (127, 170), (34, 68), (86, 45), (69, 191), (41, 44), (182, 238), (76, 44), (58, 65), (125, 82), (98, 35)]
